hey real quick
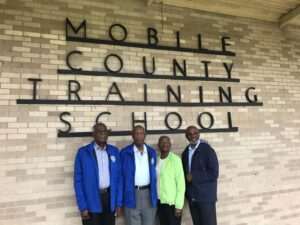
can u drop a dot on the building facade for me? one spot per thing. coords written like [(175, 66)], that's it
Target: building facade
[(66, 64)]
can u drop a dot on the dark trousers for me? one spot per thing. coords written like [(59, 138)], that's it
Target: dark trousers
[(166, 214), (203, 213), (106, 217)]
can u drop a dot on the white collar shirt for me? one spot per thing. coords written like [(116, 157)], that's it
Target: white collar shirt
[(103, 166), (142, 174), (191, 153)]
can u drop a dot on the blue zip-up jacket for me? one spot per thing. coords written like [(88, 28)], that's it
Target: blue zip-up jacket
[(126, 197), (86, 178), (205, 172)]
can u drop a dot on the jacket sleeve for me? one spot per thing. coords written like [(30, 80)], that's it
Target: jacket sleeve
[(183, 160), (210, 172), (78, 183), (120, 181), (180, 184)]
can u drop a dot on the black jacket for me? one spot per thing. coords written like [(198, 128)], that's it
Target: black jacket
[(205, 171)]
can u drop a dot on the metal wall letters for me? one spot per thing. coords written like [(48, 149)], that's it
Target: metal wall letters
[(79, 34)]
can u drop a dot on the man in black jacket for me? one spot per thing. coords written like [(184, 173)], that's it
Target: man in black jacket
[(201, 168)]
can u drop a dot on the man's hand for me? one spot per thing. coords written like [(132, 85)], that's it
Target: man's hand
[(189, 177), (178, 212), (85, 215), (118, 212)]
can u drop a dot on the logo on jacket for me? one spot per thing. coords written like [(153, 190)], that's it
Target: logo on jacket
[(113, 159), (152, 160)]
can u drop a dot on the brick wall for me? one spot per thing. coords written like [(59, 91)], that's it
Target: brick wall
[(259, 180)]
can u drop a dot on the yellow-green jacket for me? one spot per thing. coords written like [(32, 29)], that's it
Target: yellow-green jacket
[(172, 183)]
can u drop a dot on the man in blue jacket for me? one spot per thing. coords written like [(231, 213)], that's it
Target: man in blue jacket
[(138, 181), (201, 168), (96, 178)]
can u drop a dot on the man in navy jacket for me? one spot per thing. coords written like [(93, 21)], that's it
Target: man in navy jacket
[(96, 179), (201, 168), (138, 181)]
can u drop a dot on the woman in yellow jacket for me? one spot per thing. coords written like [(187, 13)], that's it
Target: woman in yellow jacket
[(170, 184)]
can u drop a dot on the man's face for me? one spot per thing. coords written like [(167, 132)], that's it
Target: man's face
[(138, 136), (100, 134), (164, 144), (192, 134)]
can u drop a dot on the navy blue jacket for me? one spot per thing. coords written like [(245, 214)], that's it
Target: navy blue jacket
[(205, 172), (86, 178), (126, 197)]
